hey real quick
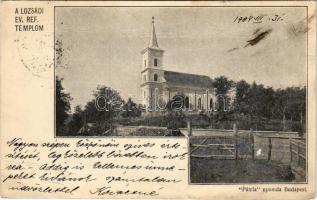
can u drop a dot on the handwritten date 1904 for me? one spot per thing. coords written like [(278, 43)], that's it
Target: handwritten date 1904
[(257, 19)]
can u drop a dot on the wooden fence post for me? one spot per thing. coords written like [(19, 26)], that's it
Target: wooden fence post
[(290, 149), (189, 128), (298, 157), (270, 148), (252, 143), (235, 132)]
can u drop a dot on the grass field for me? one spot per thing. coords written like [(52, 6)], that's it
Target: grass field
[(238, 171)]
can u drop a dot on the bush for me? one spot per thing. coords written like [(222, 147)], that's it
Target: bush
[(215, 121)]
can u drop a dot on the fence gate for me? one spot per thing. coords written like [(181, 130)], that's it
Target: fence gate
[(213, 147)]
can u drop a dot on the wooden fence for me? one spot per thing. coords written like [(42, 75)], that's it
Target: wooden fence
[(221, 147), (298, 155), (287, 148)]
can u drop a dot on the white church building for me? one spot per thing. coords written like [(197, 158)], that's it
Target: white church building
[(159, 86)]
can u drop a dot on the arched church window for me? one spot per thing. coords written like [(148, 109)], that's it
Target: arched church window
[(155, 62), (144, 78), (199, 103), (211, 104), (155, 77), (186, 102), (144, 63)]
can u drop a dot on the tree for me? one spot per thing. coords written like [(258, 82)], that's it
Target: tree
[(222, 85), (62, 105), (176, 104), (77, 121), (61, 52), (106, 104), (290, 104), (101, 110), (260, 100), (241, 103), (130, 109)]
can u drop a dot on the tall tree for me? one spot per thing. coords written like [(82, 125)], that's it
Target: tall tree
[(62, 105), (77, 121), (241, 103), (222, 85), (260, 100), (290, 104)]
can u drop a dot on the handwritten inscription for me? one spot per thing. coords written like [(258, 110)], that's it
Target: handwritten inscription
[(257, 19), (95, 167)]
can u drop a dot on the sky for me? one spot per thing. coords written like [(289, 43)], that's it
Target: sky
[(102, 46)]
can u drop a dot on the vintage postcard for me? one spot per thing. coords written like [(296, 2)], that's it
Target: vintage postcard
[(158, 100)]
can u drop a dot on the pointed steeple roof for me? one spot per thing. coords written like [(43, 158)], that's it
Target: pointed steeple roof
[(153, 39), (153, 44)]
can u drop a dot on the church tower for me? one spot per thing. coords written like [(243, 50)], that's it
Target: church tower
[(151, 70)]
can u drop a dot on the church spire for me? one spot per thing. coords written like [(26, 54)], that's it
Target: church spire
[(153, 39)]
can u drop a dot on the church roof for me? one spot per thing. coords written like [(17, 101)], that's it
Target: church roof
[(185, 79)]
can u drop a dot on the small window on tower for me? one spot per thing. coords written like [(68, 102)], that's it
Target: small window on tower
[(144, 63), (155, 77), (144, 78), (155, 62)]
